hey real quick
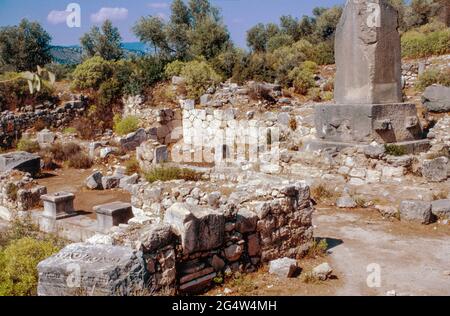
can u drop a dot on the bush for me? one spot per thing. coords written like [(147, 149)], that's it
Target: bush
[(314, 94), (62, 152), (80, 161), (92, 73), (172, 173), (18, 262), (61, 72), (70, 130), (433, 76), (174, 68), (126, 125), (199, 77), (327, 96), (15, 92), (303, 80), (395, 150), (417, 43), (28, 145), (310, 66)]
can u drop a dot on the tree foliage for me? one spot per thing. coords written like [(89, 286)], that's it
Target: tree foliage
[(104, 42), (193, 30), (25, 46)]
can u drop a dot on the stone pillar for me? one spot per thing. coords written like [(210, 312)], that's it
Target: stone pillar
[(113, 214), (368, 54), (58, 205)]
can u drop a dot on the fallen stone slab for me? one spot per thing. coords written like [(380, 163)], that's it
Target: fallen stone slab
[(110, 182), (94, 181), (322, 272), (436, 98), (416, 211), (45, 137), (21, 161), (441, 208), (283, 268), (133, 140), (127, 181), (346, 202), (436, 170), (200, 229), (92, 270)]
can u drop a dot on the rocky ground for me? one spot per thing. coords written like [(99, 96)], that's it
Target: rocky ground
[(413, 259)]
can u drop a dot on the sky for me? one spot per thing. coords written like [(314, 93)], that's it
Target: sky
[(239, 15)]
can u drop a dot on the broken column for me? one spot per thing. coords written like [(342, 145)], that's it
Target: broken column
[(113, 214), (368, 88)]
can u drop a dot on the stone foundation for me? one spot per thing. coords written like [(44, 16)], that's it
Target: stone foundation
[(193, 245), (383, 123)]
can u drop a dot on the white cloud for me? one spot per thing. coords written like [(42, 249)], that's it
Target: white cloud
[(57, 17), (113, 14), (158, 5)]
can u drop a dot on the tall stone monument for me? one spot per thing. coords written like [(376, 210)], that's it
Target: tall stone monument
[(368, 83)]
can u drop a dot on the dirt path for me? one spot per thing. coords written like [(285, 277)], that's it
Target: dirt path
[(413, 258), (71, 180)]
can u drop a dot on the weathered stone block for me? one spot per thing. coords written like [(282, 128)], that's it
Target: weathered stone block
[(113, 214), (133, 140), (436, 170), (21, 161), (110, 182), (200, 229), (361, 122), (436, 98), (416, 211), (283, 268), (246, 221), (45, 137), (441, 208), (92, 270), (58, 205), (94, 181)]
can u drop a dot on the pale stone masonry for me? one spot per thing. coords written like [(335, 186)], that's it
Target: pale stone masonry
[(193, 245)]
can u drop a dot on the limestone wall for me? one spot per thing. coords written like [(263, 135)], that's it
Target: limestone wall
[(193, 245), (18, 193), (12, 125)]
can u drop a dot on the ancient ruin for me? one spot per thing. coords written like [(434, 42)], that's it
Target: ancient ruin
[(244, 184)]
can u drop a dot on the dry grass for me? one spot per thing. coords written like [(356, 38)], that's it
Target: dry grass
[(172, 173), (321, 193), (317, 249), (80, 161)]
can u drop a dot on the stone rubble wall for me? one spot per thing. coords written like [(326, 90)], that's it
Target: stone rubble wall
[(192, 245), (12, 125), (411, 69), (18, 193)]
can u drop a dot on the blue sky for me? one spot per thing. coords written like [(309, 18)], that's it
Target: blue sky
[(239, 15)]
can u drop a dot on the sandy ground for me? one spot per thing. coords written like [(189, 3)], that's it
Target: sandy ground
[(71, 180), (412, 259)]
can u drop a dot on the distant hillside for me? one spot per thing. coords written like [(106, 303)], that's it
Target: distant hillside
[(70, 55)]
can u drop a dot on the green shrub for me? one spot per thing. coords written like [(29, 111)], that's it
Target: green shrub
[(15, 92), (327, 96), (417, 43), (109, 93), (199, 77), (92, 73), (433, 76), (395, 150), (314, 94), (18, 265), (310, 66), (172, 173), (303, 80), (28, 145), (318, 248), (126, 125), (70, 130), (174, 68)]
